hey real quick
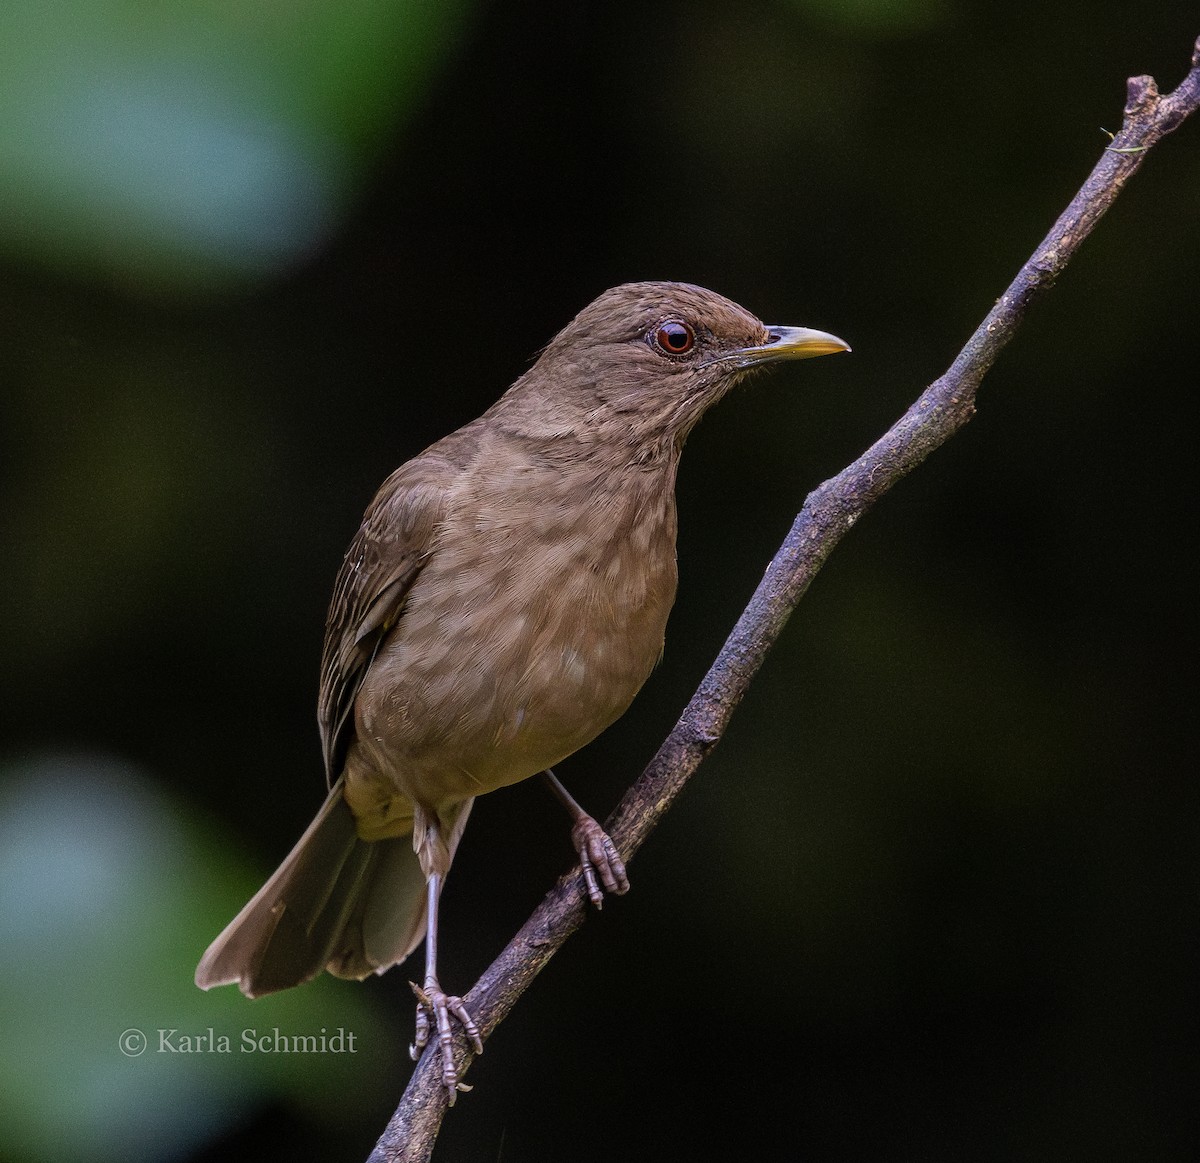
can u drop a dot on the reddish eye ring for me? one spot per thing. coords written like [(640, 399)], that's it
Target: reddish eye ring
[(674, 338)]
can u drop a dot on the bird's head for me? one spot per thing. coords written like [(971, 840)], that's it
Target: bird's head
[(653, 357)]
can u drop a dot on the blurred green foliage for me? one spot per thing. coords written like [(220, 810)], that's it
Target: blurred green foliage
[(933, 897), (103, 887), (200, 141)]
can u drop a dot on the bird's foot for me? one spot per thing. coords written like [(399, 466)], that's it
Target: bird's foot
[(599, 859), (434, 1009)]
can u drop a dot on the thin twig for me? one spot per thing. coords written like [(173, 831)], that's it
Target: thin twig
[(829, 512)]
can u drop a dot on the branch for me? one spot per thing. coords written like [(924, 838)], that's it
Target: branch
[(828, 513)]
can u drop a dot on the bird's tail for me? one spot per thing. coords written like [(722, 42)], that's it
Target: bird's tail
[(351, 906)]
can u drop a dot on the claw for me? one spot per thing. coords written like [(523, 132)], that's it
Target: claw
[(433, 1003), (421, 1031), (602, 868), (599, 860)]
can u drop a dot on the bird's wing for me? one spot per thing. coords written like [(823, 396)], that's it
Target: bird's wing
[(392, 545)]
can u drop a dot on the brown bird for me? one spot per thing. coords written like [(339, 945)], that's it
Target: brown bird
[(502, 603)]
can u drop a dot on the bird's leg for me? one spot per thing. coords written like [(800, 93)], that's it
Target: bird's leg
[(598, 855), (435, 1006)]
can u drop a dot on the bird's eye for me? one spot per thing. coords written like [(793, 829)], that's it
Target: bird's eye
[(674, 337)]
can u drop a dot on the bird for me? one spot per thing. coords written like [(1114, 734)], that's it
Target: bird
[(504, 600)]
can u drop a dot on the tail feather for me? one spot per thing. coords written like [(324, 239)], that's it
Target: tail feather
[(354, 906), (391, 934), (378, 934)]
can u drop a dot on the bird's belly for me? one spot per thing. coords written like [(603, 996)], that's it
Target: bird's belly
[(500, 668)]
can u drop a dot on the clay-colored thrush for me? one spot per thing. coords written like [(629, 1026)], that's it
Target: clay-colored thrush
[(502, 603)]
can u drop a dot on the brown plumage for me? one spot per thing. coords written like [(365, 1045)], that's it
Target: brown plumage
[(502, 603)]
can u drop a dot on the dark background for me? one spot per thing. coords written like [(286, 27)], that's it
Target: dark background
[(934, 896)]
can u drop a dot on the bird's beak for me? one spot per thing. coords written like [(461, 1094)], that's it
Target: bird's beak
[(791, 343)]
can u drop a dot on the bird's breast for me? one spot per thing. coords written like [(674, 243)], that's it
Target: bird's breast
[(537, 618)]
